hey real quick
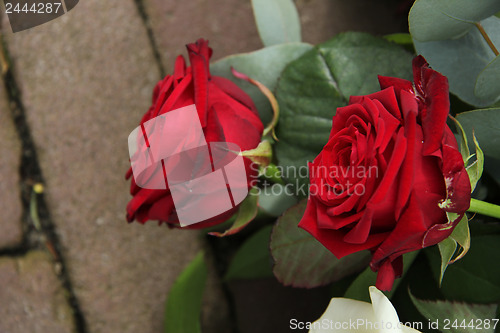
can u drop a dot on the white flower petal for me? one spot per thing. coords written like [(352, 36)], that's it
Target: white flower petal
[(385, 313), (407, 329), (340, 315)]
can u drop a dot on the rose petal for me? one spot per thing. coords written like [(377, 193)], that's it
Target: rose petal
[(333, 239), (199, 56)]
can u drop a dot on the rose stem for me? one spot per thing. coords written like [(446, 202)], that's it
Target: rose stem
[(486, 37), (484, 208)]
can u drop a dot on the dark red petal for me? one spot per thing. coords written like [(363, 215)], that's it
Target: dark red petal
[(387, 97), (419, 64), (179, 97), (439, 232), (235, 92), (410, 110), (179, 68), (457, 181), (199, 56), (398, 84), (433, 89), (332, 239), (393, 167), (388, 272), (407, 235)]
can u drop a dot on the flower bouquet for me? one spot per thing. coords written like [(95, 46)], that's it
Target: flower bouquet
[(365, 164)]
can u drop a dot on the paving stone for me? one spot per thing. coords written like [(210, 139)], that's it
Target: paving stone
[(229, 25), (86, 79), (32, 298), (10, 199)]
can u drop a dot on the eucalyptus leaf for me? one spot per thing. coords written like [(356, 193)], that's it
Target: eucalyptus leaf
[(183, 306), (457, 317), (276, 199), (277, 21), (301, 261), (265, 66), (487, 84), (312, 87), (432, 20), (252, 260), (486, 126), (463, 59)]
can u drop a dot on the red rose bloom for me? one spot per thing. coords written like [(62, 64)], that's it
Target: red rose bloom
[(388, 174), (227, 114)]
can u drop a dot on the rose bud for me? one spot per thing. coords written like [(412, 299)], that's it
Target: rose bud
[(390, 164), (226, 113)]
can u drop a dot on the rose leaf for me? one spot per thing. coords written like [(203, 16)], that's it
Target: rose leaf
[(301, 261), (476, 277), (252, 260), (457, 317)]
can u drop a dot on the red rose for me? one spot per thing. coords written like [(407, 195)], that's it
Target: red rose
[(390, 162), (227, 114)]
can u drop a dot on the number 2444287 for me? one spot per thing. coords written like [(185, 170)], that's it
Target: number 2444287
[(35, 8)]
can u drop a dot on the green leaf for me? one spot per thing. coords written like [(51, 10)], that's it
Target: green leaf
[(461, 317), (447, 248), (359, 288), (464, 145), (486, 126), (252, 260), (265, 66), (475, 170), (301, 261), (476, 277), (276, 199), (183, 306), (246, 213), (487, 84), (403, 39), (463, 59), (461, 234), (400, 38), (432, 20), (312, 87), (277, 21)]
